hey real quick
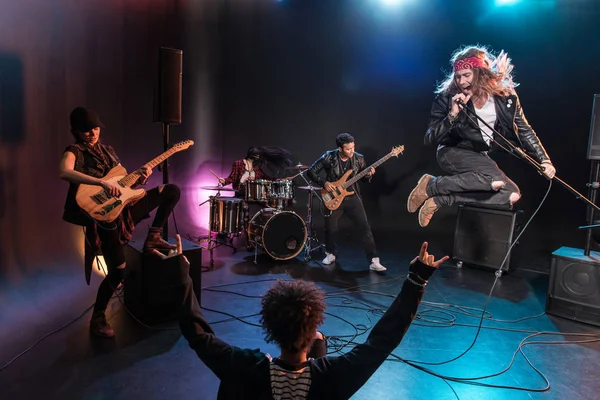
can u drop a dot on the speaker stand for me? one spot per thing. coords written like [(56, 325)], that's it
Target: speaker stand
[(594, 174), (166, 133)]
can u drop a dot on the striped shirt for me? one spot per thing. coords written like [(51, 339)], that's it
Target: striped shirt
[(289, 384)]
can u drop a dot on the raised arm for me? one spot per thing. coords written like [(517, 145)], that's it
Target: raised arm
[(357, 366), (217, 354), (440, 122)]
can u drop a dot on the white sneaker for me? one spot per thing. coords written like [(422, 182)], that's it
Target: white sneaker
[(376, 266), (329, 259)]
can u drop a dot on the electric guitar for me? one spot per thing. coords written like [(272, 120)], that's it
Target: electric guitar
[(101, 206), (332, 200)]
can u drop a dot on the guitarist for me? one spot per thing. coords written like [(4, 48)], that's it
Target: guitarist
[(335, 163), (87, 161)]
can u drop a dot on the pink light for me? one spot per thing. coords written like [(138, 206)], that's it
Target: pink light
[(199, 215)]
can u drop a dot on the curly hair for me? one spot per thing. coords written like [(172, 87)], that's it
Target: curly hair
[(494, 80), (291, 312)]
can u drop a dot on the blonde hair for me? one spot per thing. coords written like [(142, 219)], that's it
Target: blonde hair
[(496, 79)]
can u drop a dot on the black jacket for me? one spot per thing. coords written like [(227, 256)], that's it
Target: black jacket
[(244, 373), (510, 122), (331, 163)]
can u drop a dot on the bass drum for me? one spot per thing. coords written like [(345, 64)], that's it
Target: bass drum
[(282, 234)]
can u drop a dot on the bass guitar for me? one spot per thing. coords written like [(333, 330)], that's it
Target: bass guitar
[(101, 206), (332, 200)]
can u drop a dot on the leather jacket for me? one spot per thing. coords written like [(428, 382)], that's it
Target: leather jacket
[(331, 163), (510, 122)]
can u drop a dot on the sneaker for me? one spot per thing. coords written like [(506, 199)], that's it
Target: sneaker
[(419, 194), (426, 212), (329, 259), (376, 265), (100, 327)]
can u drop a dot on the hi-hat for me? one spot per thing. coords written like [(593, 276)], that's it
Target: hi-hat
[(309, 188), (222, 189), (298, 166)]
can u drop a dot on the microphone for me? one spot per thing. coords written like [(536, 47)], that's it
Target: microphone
[(593, 185), (460, 102)]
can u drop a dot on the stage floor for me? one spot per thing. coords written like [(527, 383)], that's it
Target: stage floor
[(140, 363)]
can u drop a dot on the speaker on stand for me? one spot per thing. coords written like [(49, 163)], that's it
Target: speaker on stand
[(593, 154), (167, 99), (574, 287)]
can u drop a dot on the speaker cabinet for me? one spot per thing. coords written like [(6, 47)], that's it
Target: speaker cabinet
[(167, 93), (574, 287), (147, 293), (593, 152), (483, 236)]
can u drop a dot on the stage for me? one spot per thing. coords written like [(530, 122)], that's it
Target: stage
[(157, 364)]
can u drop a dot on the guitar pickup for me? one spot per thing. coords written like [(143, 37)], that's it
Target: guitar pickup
[(100, 197), (112, 206)]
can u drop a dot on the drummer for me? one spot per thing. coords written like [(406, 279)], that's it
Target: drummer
[(251, 167), (274, 159)]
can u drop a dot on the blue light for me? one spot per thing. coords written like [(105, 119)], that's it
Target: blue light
[(391, 2), (506, 2)]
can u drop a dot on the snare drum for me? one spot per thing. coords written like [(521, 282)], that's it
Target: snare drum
[(258, 190), (226, 214), (282, 234)]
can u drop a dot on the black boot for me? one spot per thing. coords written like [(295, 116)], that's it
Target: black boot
[(99, 326), (155, 241)]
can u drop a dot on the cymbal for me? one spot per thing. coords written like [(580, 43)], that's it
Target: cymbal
[(309, 188), (298, 166), (222, 189)]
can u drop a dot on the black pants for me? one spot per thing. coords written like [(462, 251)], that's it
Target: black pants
[(353, 207), (469, 179), (112, 249)]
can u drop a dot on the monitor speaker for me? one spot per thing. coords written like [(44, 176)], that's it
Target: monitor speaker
[(484, 235), (147, 292), (574, 286)]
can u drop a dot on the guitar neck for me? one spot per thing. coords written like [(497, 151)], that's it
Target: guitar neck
[(131, 178), (365, 171)]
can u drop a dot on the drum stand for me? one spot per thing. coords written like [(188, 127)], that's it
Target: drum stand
[(212, 244), (312, 241)]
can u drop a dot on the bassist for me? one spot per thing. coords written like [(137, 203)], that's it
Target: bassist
[(87, 161), (335, 163)]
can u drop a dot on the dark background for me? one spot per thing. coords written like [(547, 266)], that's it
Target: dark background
[(289, 73)]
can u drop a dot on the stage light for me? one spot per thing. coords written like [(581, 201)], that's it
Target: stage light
[(506, 2), (391, 2)]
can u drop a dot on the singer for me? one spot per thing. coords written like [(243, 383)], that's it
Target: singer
[(484, 83)]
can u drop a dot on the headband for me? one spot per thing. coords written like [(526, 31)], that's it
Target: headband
[(469, 63)]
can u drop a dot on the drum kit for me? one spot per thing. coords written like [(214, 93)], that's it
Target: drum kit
[(275, 229)]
